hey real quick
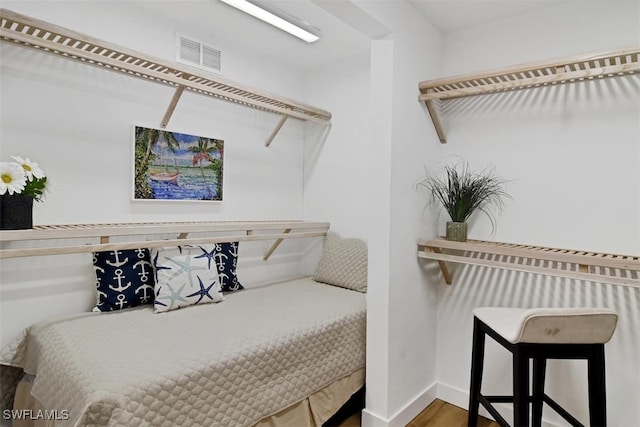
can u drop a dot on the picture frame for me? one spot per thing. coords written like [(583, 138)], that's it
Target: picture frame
[(176, 166)]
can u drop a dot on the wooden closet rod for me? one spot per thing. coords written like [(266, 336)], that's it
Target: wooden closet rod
[(558, 71)]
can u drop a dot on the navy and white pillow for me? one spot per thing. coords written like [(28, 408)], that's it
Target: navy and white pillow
[(226, 258), (124, 279), (185, 275)]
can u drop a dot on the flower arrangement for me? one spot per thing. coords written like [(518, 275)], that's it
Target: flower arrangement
[(22, 177)]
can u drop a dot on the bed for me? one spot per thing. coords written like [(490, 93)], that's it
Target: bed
[(289, 353)]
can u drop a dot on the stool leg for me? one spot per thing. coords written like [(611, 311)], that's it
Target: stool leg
[(477, 364), (520, 388), (597, 395), (539, 366)]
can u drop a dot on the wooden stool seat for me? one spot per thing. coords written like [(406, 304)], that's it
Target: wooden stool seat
[(541, 334)]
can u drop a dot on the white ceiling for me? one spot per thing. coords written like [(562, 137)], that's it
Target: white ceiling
[(217, 19), (451, 15), (339, 40)]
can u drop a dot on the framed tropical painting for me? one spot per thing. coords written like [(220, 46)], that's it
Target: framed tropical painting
[(176, 166)]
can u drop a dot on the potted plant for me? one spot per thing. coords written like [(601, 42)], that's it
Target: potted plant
[(21, 182), (463, 192)]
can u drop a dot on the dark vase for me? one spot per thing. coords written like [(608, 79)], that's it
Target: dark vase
[(16, 212)]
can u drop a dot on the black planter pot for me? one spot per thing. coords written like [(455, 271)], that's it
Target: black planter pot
[(16, 212)]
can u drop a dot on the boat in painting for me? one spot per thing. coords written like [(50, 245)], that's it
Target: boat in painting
[(167, 177)]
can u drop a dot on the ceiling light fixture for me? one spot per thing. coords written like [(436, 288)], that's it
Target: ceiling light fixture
[(277, 18)]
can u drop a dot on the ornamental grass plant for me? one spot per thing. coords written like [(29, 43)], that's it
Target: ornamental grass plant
[(462, 192)]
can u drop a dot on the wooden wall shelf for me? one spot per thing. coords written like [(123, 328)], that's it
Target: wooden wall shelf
[(572, 264), (100, 235), (30, 32), (559, 71)]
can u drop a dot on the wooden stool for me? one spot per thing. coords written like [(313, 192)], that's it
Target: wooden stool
[(541, 334)]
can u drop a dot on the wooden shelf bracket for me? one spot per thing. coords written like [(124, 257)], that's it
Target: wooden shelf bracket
[(433, 113), (558, 71), (276, 130), (275, 246), (446, 275), (172, 106), (614, 269)]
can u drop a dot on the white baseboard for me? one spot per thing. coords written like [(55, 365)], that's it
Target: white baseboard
[(457, 397), (404, 415), (369, 419)]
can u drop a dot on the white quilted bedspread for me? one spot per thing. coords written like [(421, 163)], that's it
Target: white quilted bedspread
[(226, 364)]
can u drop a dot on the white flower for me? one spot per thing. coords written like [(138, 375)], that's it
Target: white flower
[(13, 178), (31, 169)]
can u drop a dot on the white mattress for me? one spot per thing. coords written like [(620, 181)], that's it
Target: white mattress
[(226, 364)]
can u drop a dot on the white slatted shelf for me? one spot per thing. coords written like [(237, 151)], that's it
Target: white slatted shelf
[(99, 235), (573, 264), (559, 71), (30, 32)]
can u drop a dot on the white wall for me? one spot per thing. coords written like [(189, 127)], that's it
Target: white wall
[(383, 205), (76, 121), (573, 155), (412, 317), (336, 159)]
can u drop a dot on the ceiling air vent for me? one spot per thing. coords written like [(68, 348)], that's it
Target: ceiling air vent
[(197, 54)]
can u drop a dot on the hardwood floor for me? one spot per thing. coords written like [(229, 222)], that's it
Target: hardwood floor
[(443, 414), (438, 414)]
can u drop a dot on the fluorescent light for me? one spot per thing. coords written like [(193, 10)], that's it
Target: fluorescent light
[(277, 18)]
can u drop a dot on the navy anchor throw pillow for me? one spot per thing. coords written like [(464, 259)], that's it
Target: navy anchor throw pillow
[(123, 279), (226, 258)]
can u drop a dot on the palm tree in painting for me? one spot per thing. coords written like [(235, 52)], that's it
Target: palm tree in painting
[(202, 152), (146, 139), (216, 165), (150, 137)]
